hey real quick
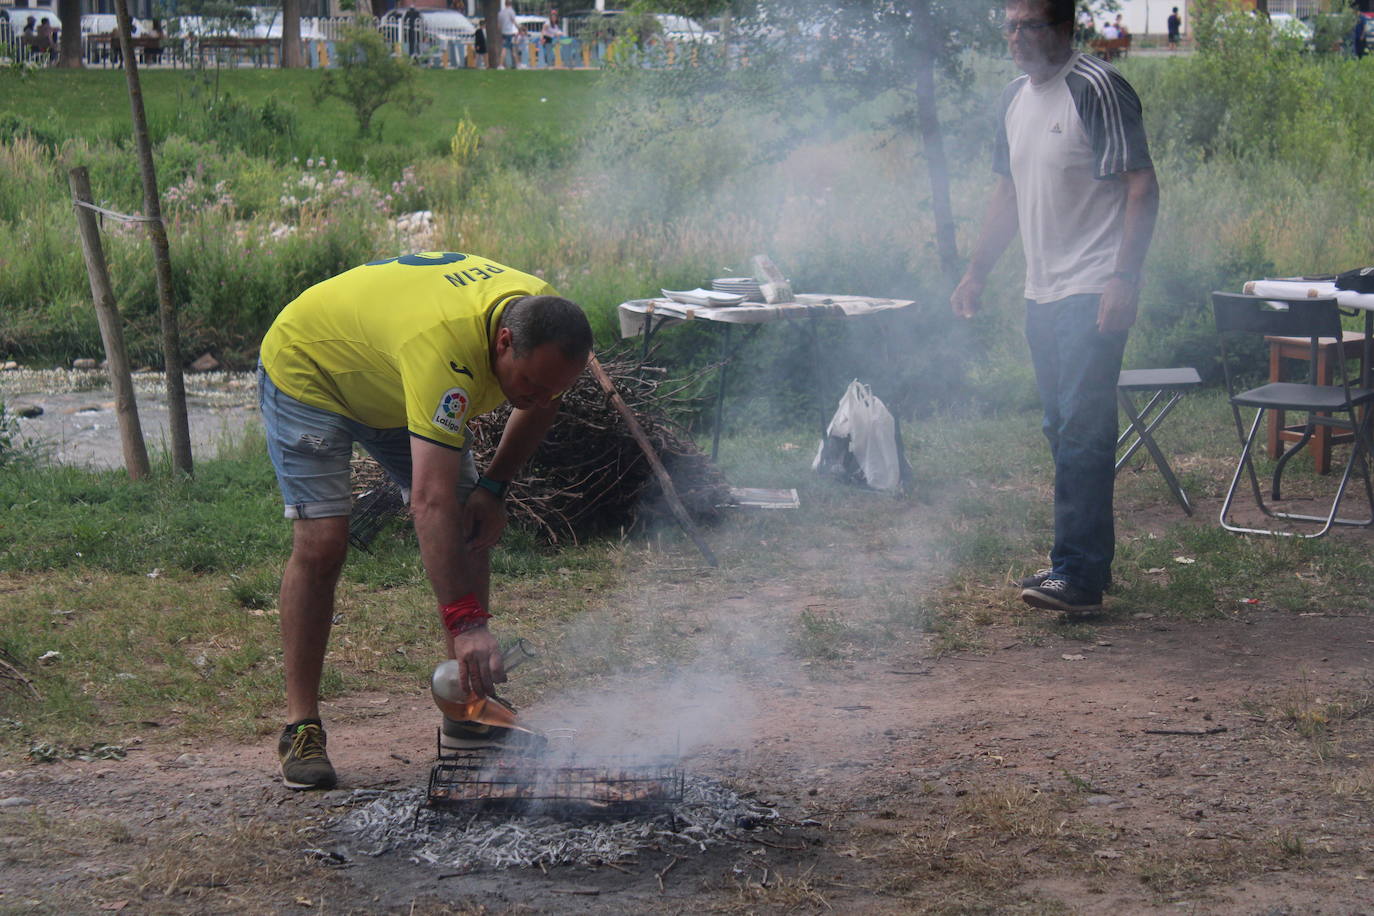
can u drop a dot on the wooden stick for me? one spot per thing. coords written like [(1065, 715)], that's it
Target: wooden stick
[(111, 328), (669, 491)]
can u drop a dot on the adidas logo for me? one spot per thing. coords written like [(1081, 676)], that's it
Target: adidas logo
[(1056, 129)]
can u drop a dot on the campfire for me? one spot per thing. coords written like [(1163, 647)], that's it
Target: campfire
[(403, 823)]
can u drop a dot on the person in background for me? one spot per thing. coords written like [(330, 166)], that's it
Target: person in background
[(153, 53), (1175, 25), (1075, 179), (1110, 31), (509, 30), (1121, 29), (522, 45), (398, 355), (549, 37), (42, 40), (479, 45)]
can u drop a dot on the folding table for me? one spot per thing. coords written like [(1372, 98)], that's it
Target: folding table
[(647, 316)]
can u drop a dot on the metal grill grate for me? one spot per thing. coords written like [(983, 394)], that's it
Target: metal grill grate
[(477, 781)]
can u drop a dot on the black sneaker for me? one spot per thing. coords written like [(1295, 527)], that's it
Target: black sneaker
[(304, 763), (1034, 579), (1061, 595), (1038, 577)]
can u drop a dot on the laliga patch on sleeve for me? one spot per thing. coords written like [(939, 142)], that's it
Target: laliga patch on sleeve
[(452, 410)]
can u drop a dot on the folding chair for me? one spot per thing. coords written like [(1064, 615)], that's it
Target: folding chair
[(1165, 387), (1335, 406)]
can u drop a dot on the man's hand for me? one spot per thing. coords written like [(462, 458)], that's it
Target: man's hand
[(1116, 311), (967, 297), (484, 518), (479, 661)]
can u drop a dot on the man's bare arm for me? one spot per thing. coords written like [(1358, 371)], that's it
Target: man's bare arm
[(1122, 296), (1000, 224)]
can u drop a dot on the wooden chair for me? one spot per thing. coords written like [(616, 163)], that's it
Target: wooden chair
[(1298, 348)]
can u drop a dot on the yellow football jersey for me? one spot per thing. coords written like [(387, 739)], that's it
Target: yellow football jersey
[(403, 342)]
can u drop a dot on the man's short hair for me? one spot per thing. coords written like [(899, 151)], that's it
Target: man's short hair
[(536, 320), (1056, 11)]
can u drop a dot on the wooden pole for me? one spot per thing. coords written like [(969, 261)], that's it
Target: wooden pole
[(157, 236), (111, 330), (666, 482)]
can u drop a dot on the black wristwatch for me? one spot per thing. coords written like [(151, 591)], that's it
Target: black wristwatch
[(496, 488)]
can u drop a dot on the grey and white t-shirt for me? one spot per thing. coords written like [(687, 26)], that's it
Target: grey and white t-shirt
[(1065, 143)]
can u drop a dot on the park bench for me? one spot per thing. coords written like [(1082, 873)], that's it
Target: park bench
[(1111, 48)]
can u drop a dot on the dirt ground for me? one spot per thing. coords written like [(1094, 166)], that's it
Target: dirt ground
[(1210, 767), (1141, 764)]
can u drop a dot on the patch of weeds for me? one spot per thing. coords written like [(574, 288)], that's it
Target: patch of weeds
[(1082, 785), (42, 752), (1289, 844), (1317, 720), (1013, 810), (1073, 630), (254, 592), (820, 635), (776, 889)]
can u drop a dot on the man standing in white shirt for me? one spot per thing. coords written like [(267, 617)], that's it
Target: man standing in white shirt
[(509, 29), (1074, 176)]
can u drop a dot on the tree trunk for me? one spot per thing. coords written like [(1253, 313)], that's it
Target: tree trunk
[(491, 12), (157, 236), (291, 54), (69, 53), (111, 328), (933, 142)]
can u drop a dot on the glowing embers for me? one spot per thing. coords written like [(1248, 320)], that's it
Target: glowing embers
[(472, 781)]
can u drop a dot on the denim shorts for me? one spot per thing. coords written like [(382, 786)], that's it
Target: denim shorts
[(310, 449)]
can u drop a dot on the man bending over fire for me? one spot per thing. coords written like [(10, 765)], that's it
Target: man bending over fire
[(1074, 175), (397, 356)]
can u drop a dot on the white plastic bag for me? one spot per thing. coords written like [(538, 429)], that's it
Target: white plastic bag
[(871, 434)]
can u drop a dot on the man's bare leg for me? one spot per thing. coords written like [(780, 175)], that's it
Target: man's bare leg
[(318, 549)]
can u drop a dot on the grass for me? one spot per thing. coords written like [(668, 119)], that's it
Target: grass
[(95, 103), (158, 598)]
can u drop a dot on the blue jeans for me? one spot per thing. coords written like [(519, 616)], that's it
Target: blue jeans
[(310, 450), (1076, 370)]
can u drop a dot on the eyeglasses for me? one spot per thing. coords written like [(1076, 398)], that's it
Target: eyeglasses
[(1011, 28)]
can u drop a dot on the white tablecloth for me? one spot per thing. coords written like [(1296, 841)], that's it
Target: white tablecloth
[(1310, 289), (808, 305)]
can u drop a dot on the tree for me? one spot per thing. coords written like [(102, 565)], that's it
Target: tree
[(491, 24), (69, 12), (369, 77), (291, 54)]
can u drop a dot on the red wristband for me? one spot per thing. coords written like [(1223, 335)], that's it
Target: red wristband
[(464, 614)]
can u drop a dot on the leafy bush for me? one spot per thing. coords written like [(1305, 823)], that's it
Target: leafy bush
[(370, 77)]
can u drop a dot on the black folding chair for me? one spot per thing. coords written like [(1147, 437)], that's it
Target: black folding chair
[(1337, 406), (1164, 387)]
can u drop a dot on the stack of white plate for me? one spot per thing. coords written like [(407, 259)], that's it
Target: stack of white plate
[(747, 287)]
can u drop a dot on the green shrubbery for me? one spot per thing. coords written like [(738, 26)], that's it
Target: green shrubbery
[(1261, 150)]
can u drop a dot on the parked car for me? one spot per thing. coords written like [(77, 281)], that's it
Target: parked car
[(19, 15), (435, 25), (1289, 25), (269, 26), (682, 28)]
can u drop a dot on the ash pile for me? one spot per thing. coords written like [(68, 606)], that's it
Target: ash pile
[(524, 814), (589, 475)]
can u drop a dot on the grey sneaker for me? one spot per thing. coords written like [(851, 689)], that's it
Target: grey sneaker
[(304, 763), (1061, 595)]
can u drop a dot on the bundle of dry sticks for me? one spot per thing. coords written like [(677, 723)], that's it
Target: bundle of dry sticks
[(589, 475)]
